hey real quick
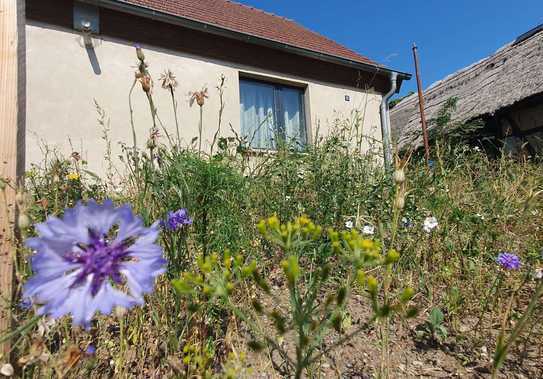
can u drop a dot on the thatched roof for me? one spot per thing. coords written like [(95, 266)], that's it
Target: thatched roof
[(513, 73)]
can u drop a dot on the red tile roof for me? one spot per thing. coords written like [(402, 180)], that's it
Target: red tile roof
[(248, 20)]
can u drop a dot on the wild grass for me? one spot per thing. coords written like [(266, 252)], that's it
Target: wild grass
[(483, 206)]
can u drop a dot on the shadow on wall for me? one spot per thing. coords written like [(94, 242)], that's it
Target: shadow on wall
[(93, 60)]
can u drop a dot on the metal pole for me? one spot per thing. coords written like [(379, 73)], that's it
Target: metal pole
[(421, 106)]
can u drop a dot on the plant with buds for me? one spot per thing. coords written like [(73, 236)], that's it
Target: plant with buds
[(199, 97), (317, 302), (169, 83), (168, 80)]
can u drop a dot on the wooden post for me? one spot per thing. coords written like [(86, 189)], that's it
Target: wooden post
[(421, 107), (12, 144)]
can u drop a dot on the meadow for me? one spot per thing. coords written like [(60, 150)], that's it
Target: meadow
[(311, 262)]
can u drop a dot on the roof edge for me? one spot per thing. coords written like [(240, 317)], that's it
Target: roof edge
[(138, 10)]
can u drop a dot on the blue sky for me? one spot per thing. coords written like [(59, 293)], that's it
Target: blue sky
[(450, 34)]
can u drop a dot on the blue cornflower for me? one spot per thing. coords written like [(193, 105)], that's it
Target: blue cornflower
[(25, 304), (93, 259), (91, 350), (508, 261), (177, 220)]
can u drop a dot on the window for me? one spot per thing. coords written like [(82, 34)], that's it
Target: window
[(272, 113)]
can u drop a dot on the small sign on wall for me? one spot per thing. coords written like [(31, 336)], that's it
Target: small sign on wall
[(347, 98)]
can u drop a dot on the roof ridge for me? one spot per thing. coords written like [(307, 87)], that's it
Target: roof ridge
[(297, 24), (246, 19), (258, 10)]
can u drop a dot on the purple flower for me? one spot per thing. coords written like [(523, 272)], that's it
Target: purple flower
[(93, 259), (91, 350), (177, 220), (25, 304), (508, 261)]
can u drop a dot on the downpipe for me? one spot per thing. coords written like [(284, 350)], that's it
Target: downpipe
[(385, 121)]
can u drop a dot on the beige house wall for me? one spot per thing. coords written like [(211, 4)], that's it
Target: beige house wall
[(62, 86)]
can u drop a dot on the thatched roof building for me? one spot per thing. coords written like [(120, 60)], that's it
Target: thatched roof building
[(506, 87)]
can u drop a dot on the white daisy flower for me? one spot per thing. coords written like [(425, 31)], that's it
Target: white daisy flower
[(349, 224), (368, 230), (430, 223)]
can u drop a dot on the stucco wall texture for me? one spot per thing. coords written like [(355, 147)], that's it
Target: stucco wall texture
[(62, 86)]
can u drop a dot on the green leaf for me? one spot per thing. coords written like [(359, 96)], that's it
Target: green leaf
[(436, 317)]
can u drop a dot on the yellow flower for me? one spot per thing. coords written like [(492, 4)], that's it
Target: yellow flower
[(73, 176)]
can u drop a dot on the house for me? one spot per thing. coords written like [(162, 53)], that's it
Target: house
[(504, 91), (277, 74)]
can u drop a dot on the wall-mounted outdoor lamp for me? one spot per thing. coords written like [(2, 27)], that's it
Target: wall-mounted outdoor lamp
[(87, 22)]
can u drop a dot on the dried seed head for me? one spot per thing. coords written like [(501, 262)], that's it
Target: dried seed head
[(76, 156), (146, 83), (399, 203), (168, 80), (399, 176), (20, 198), (199, 97), (23, 221)]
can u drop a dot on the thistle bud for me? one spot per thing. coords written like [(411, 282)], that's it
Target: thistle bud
[(23, 221), (139, 53), (151, 143), (20, 198), (146, 83), (399, 176), (399, 203)]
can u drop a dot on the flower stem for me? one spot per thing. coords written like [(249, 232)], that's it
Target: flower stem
[(21, 330)]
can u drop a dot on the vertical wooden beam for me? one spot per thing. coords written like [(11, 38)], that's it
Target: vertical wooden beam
[(12, 144)]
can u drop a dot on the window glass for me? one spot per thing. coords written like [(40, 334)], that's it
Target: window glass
[(271, 114)]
